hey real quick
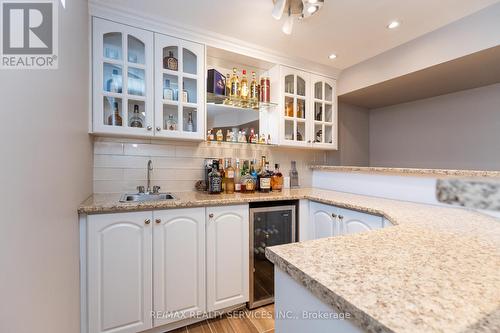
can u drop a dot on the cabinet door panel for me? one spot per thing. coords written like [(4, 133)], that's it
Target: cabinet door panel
[(355, 222), (324, 107), (119, 272), (122, 79), (227, 256), (179, 263), (323, 221)]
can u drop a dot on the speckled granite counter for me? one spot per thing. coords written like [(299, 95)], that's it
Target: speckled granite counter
[(433, 173), (436, 270), (472, 193)]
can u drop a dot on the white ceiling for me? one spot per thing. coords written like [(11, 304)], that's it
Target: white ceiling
[(353, 29)]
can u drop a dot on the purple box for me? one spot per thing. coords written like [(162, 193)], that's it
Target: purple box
[(216, 82)]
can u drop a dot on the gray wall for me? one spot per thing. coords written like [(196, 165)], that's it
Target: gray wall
[(454, 131), (353, 137), (46, 172)]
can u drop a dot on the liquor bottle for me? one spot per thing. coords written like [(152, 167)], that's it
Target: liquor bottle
[(219, 135), (247, 180), (294, 175), (262, 139), (269, 142), (235, 87), (210, 135), (214, 179), (244, 89), (115, 119), (254, 174), (229, 136), (229, 175), (222, 168), (114, 83), (237, 176), (264, 176), (136, 119), (277, 179), (168, 93), (170, 62), (190, 127), (252, 138), (254, 92), (185, 97), (228, 85), (171, 124)]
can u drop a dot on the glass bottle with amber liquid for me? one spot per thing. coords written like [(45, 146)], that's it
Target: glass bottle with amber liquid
[(265, 179), (244, 92), (115, 119), (277, 179), (229, 176), (235, 87), (227, 100), (254, 92)]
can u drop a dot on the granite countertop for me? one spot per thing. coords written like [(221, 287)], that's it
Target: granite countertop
[(433, 173), (436, 270), (482, 193)]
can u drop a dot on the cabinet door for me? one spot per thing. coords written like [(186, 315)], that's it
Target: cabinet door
[(354, 222), (296, 114), (323, 221), (179, 86), (119, 272), (122, 79), (179, 263), (324, 108), (227, 256)]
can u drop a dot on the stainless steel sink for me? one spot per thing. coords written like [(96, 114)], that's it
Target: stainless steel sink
[(142, 197)]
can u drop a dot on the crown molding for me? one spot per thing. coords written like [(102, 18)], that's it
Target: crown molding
[(159, 24)]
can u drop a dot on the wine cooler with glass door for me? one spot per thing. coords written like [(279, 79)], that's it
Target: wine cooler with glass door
[(272, 224)]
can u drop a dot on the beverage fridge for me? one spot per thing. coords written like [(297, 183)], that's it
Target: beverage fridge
[(272, 224)]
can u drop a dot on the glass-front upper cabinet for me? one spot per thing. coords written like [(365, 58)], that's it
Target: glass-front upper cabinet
[(324, 106), (122, 79), (296, 115), (180, 82)]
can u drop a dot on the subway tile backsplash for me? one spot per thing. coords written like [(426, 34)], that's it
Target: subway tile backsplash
[(120, 164)]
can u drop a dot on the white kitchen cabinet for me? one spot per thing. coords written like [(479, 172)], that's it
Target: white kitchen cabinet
[(296, 107), (324, 108), (227, 256), (122, 79), (119, 269), (179, 263), (323, 220), (179, 90), (327, 221)]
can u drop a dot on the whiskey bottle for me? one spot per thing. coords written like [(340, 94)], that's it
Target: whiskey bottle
[(222, 168), (254, 92), (230, 177), (247, 180), (170, 62), (115, 119), (171, 124), (214, 179), (252, 137), (190, 127), (136, 119), (265, 179), (244, 89), (277, 179), (235, 87), (237, 177)]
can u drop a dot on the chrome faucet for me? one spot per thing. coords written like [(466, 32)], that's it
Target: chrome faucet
[(150, 168)]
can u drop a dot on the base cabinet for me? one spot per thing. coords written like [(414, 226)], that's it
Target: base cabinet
[(119, 268), (178, 264), (227, 256), (329, 221)]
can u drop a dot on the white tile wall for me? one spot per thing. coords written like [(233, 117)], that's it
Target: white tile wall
[(120, 164)]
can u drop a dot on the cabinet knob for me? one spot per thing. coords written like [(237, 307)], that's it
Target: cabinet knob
[(158, 221), (158, 128), (149, 128), (341, 217), (334, 215), (147, 221), (211, 215)]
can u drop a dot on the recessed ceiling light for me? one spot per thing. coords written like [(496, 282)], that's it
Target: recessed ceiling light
[(332, 56), (393, 25), (312, 9)]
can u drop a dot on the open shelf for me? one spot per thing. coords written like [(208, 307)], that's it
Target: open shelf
[(221, 100)]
